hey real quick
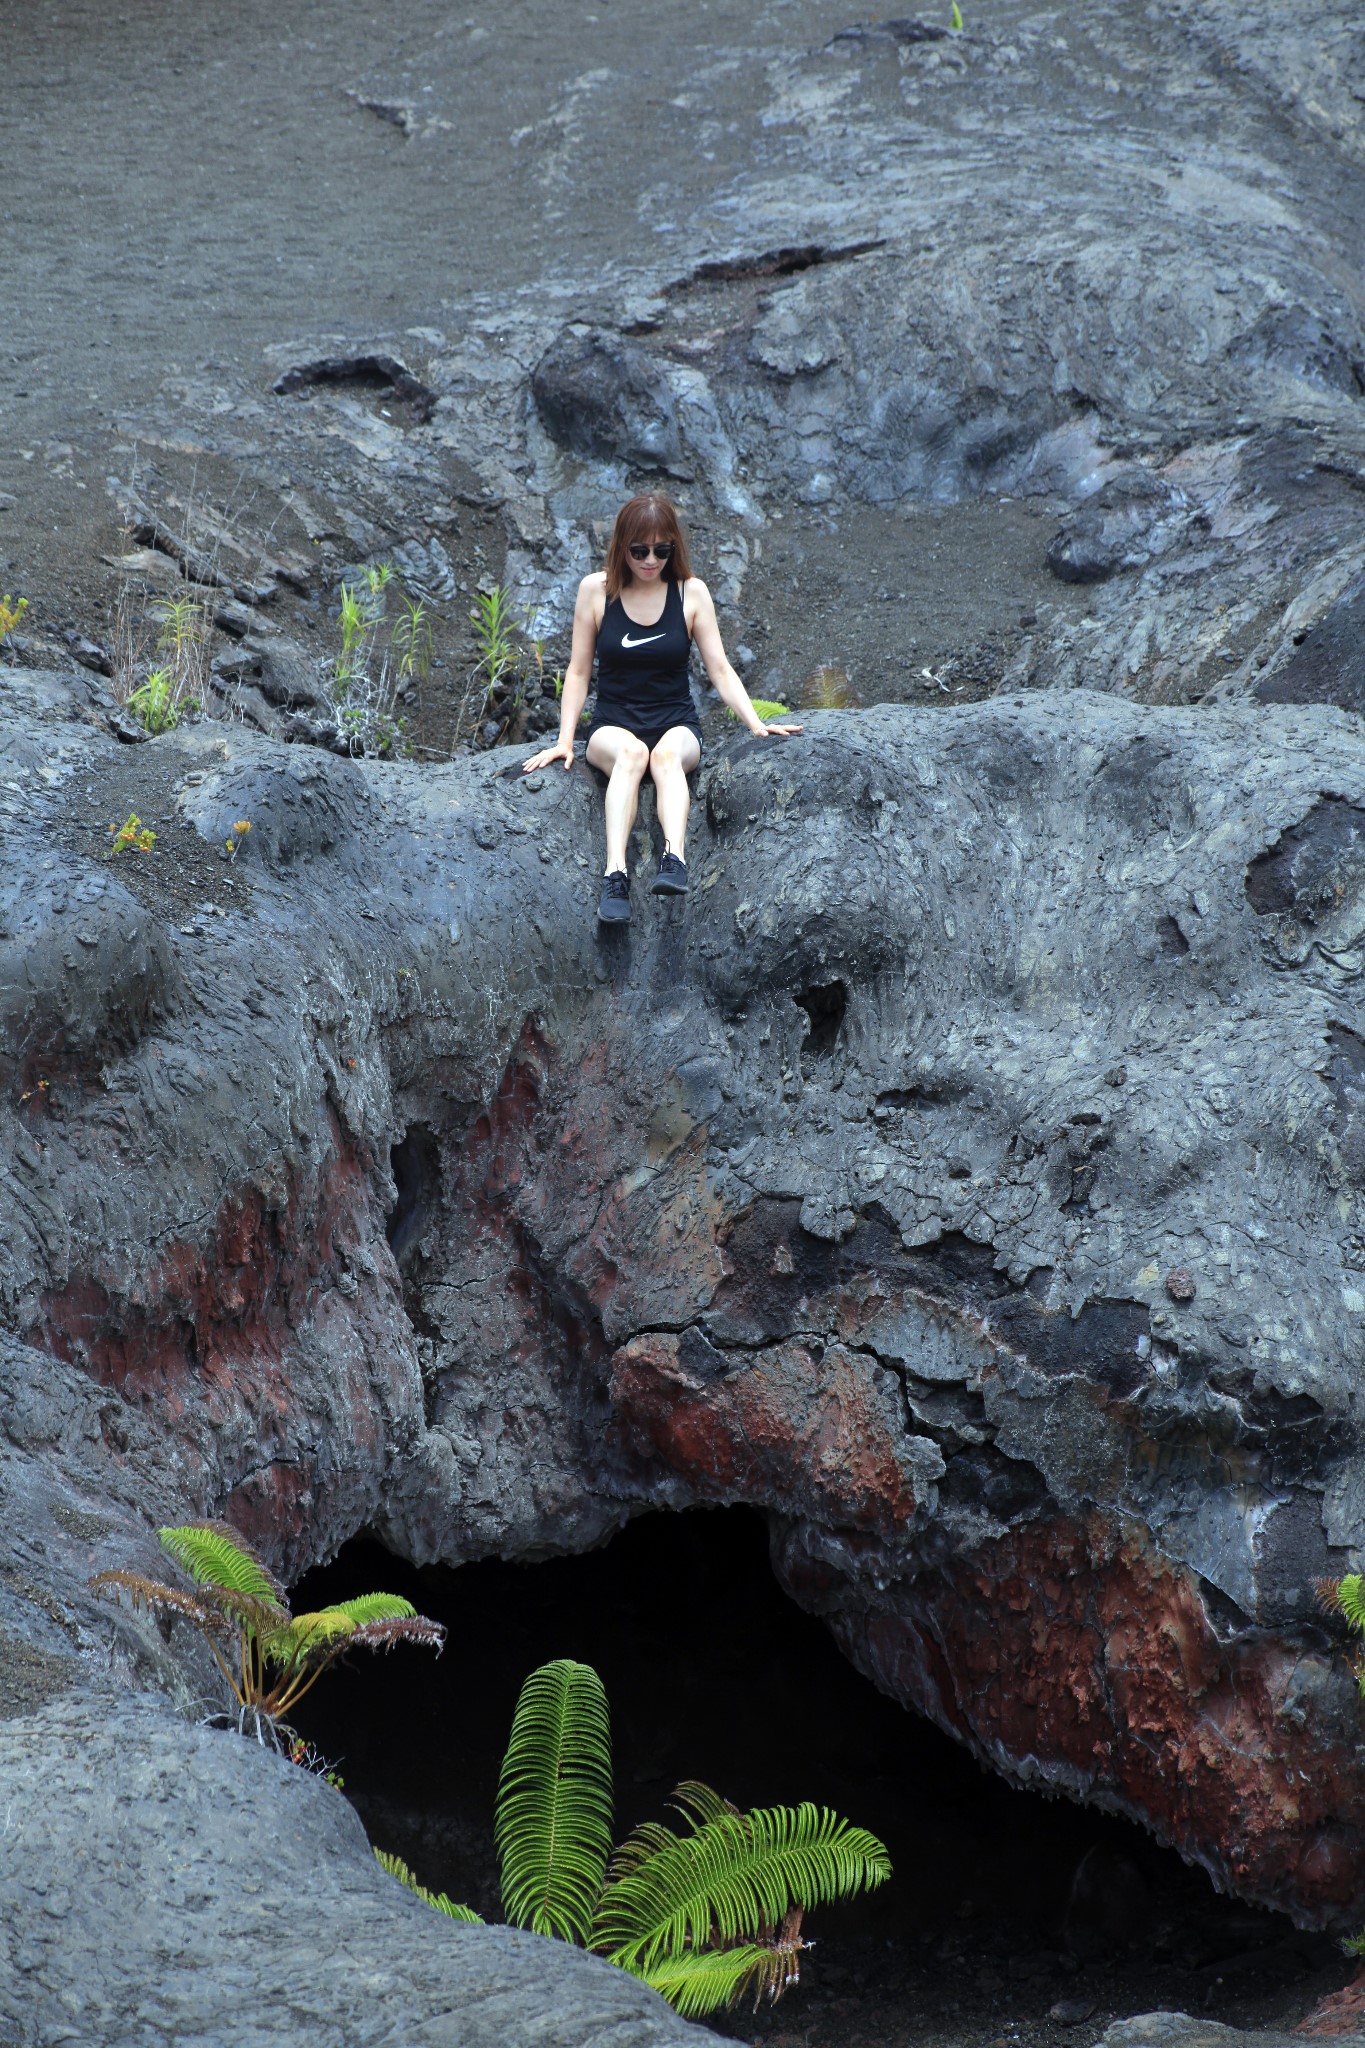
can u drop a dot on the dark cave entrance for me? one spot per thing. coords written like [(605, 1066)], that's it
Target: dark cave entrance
[(1005, 1906), (415, 1163), (825, 1007)]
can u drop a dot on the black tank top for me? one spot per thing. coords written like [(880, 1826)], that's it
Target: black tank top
[(642, 670)]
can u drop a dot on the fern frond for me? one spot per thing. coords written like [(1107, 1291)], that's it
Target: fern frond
[(403, 1628), (453, 1911), (766, 709), (1354, 1944), (733, 1880), (645, 1839), (304, 1635), (553, 1824), (1345, 1597), (373, 1621), (255, 1616), (396, 1867), (217, 1556), (699, 1803), (368, 1607), (702, 1981), (159, 1599)]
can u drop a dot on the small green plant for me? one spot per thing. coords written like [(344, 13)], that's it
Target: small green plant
[(12, 609), (236, 837), (154, 702), (827, 688), (510, 658), (309, 1758), (708, 1916), (268, 1656), (765, 708), (131, 836), (184, 627), (495, 636), (375, 660), (396, 1867), (955, 18), (412, 640)]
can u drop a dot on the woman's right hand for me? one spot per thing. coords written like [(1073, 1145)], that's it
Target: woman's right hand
[(562, 750)]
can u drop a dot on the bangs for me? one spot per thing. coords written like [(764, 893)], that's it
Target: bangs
[(648, 516)]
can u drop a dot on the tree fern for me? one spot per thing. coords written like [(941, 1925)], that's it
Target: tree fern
[(732, 1879), (553, 1825), (396, 1867), (269, 1657)]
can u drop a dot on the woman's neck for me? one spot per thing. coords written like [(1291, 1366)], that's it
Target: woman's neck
[(637, 590)]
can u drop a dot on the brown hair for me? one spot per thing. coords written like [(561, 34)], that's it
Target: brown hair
[(650, 516)]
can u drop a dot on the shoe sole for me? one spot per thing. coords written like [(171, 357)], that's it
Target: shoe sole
[(614, 916), (666, 887)]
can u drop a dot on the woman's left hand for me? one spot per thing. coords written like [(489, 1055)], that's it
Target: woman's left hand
[(776, 732)]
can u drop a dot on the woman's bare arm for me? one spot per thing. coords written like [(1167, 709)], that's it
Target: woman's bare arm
[(711, 648), (577, 677)]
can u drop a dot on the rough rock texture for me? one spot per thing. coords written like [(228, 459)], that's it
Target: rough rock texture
[(967, 1175), (1110, 266), (165, 1885), (1178, 2030)]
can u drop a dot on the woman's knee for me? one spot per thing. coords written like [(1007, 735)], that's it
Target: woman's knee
[(633, 754), (671, 757)]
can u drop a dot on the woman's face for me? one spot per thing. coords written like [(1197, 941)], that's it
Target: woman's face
[(652, 567)]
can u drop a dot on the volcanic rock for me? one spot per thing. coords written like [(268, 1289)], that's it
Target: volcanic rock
[(369, 1218)]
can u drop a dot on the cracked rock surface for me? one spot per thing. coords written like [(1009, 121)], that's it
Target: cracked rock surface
[(967, 1176)]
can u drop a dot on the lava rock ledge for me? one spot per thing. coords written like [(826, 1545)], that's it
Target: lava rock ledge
[(968, 1176)]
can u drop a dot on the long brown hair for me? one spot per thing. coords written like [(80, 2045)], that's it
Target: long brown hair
[(650, 516)]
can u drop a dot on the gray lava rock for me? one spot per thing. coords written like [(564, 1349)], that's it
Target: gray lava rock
[(1129, 521), (1178, 2030), (165, 1883), (599, 394), (1329, 665)]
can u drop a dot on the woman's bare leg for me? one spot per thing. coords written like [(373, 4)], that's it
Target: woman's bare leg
[(624, 759), (672, 761)]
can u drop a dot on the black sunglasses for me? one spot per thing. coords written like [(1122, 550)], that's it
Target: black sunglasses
[(640, 550)]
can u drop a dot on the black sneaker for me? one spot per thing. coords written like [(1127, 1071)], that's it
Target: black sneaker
[(671, 879), (613, 905)]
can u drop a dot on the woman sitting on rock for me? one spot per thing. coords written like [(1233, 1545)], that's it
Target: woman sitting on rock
[(639, 617)]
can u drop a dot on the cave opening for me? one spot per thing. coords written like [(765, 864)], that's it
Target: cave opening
[(415, 1163), (1011, 1917), (824, 1006)]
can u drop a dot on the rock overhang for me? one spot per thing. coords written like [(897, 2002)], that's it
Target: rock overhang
[(905, 1184)]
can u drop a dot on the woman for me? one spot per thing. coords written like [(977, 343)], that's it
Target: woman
[(640, 617)]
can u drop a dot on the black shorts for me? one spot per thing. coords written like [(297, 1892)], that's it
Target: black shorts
[(650, 738)]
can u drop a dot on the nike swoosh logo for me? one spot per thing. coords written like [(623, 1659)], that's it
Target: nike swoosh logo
[(626, 640)]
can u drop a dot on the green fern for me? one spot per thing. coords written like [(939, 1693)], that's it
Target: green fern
[(307, 1635), (216, 1556), (703, 1981), (732, 1879), (553, 1824), (707, 1917), (765, 708), (1345, 1597), (396, 1867), (269, 1657)]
